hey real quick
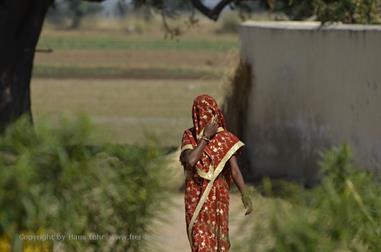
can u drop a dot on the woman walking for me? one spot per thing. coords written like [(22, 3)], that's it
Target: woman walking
[(208, 155)]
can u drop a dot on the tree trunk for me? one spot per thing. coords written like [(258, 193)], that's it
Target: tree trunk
[(20, 27)]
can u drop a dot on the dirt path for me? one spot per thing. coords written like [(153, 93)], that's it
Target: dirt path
[(169, 232), (170, 236)]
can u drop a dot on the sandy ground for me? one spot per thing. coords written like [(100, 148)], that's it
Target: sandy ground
[(169, 232), (170, 235)]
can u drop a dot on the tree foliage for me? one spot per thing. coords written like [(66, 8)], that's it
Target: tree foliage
[(346, 11), (340, 214), (53, 181)]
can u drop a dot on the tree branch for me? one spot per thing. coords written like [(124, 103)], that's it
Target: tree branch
[(172, 32), (211, 13)]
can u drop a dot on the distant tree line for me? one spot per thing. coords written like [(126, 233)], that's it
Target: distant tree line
[(346, 11)]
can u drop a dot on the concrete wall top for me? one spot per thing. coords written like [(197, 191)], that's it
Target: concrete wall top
[(295, 25)]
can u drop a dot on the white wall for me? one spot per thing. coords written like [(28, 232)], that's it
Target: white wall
[(312, 88)]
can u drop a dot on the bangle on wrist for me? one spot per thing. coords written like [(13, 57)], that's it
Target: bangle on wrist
[(205, 138)]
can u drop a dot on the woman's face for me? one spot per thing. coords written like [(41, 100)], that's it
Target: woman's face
[(204, 109)]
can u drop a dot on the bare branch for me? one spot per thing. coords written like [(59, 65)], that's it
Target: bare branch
[(211, 13), (172, 32), (192, 21)]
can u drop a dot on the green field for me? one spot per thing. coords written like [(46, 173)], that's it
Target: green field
[(132, 86), (91, 40), (126, 109)]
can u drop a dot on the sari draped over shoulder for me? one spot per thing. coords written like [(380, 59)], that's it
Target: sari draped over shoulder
[(207, 184)]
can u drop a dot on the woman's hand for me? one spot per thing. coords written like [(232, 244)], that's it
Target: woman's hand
[(246, 200), (211, 128), (190, 157)]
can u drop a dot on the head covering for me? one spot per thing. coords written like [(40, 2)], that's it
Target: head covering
[(222, 145), (203, 110)]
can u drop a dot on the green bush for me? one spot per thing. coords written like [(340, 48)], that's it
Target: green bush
[(53, 181), (348, 11), (345, 11), (341, 214)]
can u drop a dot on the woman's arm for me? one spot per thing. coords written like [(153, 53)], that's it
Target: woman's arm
[(237, 175), (240, 183), (190, 157)]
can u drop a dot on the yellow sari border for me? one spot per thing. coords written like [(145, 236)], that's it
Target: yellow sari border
[(204, 196), (206, 175), (186, 147), (227, 156)]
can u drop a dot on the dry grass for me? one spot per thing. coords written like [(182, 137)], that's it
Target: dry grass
[(119, 63), (111, 40), (132, 24), (125, 109), (133, 58), (115, 54)]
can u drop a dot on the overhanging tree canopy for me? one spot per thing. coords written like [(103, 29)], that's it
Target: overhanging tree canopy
[(21, 22)]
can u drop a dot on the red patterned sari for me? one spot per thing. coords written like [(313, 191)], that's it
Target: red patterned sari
[(208, 183)]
